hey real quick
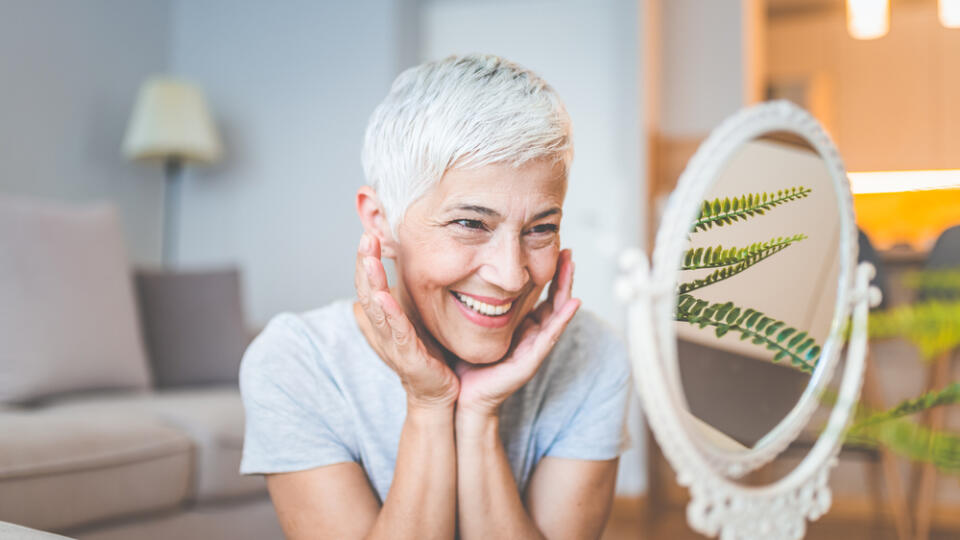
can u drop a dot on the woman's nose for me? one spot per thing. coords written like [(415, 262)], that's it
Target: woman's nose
[(505, 264)]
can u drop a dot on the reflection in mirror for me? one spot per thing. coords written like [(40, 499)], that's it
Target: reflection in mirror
[(757, 290)]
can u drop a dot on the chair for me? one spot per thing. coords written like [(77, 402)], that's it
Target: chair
[(945, 254), (873, 397)]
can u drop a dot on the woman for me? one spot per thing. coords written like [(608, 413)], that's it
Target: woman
[(452, 404)]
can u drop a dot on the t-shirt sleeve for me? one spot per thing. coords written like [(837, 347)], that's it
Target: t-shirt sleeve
[(597, 428), (295, 415)]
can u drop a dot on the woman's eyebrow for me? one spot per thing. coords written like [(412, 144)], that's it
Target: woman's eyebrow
[(478, 209), (545, 213), (493, 213)]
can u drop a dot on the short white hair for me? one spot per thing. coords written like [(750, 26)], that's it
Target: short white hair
[(460, 112)]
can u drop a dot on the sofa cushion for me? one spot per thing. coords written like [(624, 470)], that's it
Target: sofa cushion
[(68, 320), (9, 531), (193, 325), (212, 417), (63, 468)]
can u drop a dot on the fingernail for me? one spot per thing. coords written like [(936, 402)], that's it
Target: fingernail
[(364, 242)]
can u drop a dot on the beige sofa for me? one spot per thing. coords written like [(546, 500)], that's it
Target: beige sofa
[(99, 439)]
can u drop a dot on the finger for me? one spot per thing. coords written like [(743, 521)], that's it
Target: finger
[(563, 281), (374, 311), (544, 310), (368, 247), (376, 274), (402, 333), (360, 281), (553, 327)]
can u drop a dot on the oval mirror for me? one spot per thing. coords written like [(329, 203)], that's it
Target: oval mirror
[(737, 327), (757, 291)]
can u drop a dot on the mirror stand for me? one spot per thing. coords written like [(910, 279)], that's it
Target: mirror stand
[(719, 505)]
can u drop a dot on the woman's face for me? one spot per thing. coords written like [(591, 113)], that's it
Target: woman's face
[(474, 253)]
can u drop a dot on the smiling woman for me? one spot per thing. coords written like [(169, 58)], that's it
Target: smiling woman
[(452, 403)]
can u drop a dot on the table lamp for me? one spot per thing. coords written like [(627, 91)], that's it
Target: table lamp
[(171, 125)]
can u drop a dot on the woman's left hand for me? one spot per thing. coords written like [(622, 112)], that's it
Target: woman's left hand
[(484, 388)]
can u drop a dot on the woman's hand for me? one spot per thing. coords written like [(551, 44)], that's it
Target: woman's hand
[(484, 388), (425, 376)]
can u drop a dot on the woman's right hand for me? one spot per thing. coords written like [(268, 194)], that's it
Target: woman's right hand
[(429, 382)]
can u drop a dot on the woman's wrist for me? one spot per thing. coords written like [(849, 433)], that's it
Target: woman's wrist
[(476, 423), (430, 412)]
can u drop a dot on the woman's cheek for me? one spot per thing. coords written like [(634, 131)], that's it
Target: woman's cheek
[(543, 265), (444, 259)]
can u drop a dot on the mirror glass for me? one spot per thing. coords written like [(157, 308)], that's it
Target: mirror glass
[(757, 290)]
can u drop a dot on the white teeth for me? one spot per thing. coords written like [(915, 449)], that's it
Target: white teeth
[(482, 308)]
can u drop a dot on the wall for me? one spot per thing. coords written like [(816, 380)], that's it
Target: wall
[(291, 88), (70, 73), (710, 67), (703, 64), (588, 51), (890, 103)]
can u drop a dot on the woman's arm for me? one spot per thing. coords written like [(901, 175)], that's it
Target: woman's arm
[(566, 498), (489, 503), (571, 498), (337, 501)]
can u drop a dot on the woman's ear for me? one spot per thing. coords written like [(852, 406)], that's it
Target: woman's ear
[(375, 221)]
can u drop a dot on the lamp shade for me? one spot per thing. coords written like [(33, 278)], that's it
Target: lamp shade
[(170, 121)]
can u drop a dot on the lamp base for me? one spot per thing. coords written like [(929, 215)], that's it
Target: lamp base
[(173, 170)]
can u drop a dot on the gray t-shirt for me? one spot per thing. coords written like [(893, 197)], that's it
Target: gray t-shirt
[(315, 393)]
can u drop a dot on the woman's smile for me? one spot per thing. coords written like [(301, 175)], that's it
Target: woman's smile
[(484, 311)]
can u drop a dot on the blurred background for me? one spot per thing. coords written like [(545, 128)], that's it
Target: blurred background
[(243, 207)]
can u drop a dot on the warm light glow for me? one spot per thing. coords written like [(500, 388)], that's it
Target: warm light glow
[(950, 13), (868, 19), (906, 207), (900, 181)]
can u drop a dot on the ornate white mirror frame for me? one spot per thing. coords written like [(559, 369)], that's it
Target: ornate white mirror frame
[(719, 504)]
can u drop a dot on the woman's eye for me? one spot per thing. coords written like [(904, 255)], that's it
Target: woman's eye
[(470, 224)]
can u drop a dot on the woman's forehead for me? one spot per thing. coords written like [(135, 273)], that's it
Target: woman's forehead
[(501, 188)]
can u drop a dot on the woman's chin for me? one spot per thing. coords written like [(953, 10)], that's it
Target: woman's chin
[(483, 356)]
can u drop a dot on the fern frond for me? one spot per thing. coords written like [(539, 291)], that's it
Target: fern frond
[(940, 282), (933, 326), (716, 256), (739, 260), (719, 212), (788, 343), (946, 396), (912, 441)]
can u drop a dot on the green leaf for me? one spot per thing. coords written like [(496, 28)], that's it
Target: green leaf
[(763, 323), (723, 310), (729, 210), (803, 346), (763, 331), (785, 333), (773, 328), (797, 339)]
